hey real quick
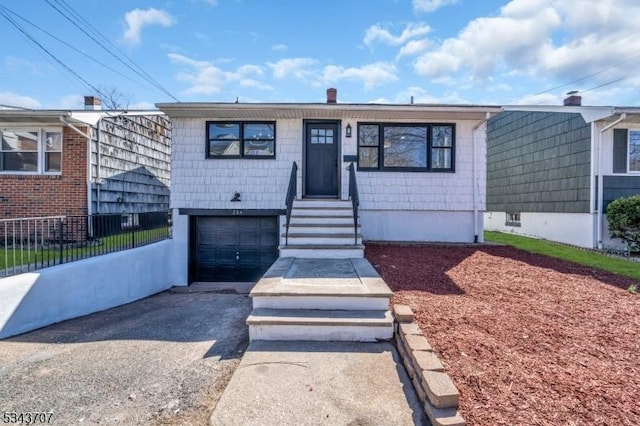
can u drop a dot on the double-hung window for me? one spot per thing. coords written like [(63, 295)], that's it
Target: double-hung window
[(634, 151), (241, 139), (406, 147), (31, 151)]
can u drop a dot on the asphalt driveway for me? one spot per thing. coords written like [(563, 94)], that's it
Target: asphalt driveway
[(162, 360)]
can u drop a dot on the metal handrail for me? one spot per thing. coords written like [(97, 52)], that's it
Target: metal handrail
[(291, 195), (355, 199)]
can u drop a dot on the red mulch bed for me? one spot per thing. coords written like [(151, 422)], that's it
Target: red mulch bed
[(527, 339)]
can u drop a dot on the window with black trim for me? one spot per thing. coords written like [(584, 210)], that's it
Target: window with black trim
[(235, 139), (406, 147), (513, 219)]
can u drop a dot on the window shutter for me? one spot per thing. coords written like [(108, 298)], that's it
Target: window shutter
[(620, 137)]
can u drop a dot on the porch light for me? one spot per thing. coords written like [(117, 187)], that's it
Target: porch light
[(348, 130)]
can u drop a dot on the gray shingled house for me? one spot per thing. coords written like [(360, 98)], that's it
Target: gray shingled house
[(551, 171)]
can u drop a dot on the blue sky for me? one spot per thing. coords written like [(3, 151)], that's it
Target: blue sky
[(438, 51)]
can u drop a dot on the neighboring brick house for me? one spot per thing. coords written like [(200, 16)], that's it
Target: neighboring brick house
[(551, 171), (83, 162), (420, 173)]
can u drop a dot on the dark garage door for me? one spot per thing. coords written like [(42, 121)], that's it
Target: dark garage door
[(234, 248)]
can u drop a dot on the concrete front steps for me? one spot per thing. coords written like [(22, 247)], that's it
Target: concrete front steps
[(321, 229), (321, 299)]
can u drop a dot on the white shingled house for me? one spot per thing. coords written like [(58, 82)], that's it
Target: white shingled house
[(254, 181)]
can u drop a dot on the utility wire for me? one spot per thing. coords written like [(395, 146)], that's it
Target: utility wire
[(62, 64), (146, 77), (604, 84), (69, 45), (634, 57)]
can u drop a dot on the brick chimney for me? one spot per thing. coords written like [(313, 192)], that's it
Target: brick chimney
[(573, 99), (92, 103), (332, 95)]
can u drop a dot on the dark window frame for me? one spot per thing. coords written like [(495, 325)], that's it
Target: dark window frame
[(428, 168), (513, 219), (241, 125), (629, 132)]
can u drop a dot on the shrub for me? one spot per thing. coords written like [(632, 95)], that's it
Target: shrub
[(623, 216)]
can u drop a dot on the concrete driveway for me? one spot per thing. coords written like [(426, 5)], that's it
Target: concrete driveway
[(162, 360)]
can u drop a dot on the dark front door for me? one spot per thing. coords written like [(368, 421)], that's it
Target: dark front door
[(234, 248), (321, 165)]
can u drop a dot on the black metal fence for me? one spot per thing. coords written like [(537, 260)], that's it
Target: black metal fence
[(29, 244)]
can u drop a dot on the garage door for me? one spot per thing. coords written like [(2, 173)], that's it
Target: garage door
[(234, 248)]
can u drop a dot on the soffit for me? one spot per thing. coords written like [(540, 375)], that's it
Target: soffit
[(324, 111)]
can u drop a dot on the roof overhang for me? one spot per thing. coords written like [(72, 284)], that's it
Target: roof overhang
[(17, 118), (590, 114), (632, 115), (215, 111), (47, 118)]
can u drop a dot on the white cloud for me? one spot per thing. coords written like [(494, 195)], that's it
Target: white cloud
[(301, 68), (16, 100), (142, 105), (205, 78), (421, 96), (541, 99), (74, 101), (431, 5), (370, 75), (138, 18), (279, 47), (213, 3), (547, 40), (376, 33), (413, 48)]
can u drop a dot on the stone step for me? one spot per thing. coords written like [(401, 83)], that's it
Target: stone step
[(321, 203), (326, 219), (323, 302), (323, 239), (320, 228), (310, 251), (323, 325), (330, 211)]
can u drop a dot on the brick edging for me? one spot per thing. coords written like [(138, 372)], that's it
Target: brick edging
[(432, 385)]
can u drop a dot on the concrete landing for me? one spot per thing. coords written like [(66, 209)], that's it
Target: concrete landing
[(319, 383), (321, 299), (321, 277)]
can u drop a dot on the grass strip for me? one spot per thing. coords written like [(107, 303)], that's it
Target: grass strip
[(627, 268)]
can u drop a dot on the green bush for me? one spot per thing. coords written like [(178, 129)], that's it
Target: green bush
[(623, 216)]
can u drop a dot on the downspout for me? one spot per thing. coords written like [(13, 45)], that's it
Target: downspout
[(64, 120), (474, 173), (97, 180), (623, 116)]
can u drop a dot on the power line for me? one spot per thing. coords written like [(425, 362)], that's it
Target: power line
[(62, 64), (632, 58), (604, 84), (142, 73), (69, 45)]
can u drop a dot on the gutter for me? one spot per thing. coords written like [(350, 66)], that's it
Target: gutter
[(474, 172), (64, 120), (622, 117)]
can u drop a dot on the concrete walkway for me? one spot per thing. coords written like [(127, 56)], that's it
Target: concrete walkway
[(319, 383)]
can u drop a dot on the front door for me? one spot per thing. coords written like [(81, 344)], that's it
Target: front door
[(321, 164)]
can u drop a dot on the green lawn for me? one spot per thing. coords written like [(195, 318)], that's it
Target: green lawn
[(619, 266), (49, 257)]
